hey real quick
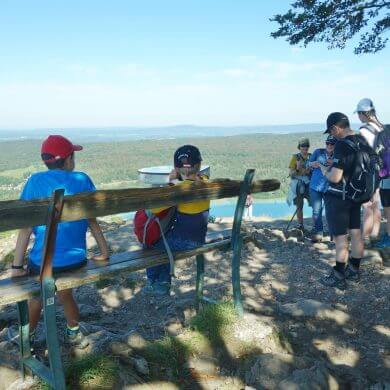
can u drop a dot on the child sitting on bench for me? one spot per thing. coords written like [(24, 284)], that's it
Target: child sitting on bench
[(57, 153), (189, 227)]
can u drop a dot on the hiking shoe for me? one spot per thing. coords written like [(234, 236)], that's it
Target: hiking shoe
[(352, 273), (76, 339), (157, 288), (383, 243), (334, 279), (161, 288), (316, 237)]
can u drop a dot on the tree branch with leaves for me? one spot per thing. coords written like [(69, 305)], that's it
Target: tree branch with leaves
[(336, 22)]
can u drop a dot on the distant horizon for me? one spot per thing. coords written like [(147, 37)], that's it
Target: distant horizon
[(134, 133)]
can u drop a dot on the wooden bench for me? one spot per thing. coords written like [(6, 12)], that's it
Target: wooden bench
[(19, 214)]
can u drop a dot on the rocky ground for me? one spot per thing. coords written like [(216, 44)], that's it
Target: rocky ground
[(296, 334)]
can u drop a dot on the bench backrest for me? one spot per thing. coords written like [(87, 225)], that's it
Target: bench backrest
[(16, 214)]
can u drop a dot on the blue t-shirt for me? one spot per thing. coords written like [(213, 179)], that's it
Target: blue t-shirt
[(318, 181), (70, 248)]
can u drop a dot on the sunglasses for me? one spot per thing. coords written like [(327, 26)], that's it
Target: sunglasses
[(304, 146), (330, 143)]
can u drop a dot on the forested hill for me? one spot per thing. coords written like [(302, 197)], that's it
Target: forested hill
[(115, 164)]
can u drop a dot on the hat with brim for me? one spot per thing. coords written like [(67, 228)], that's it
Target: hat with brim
[(58, 147), (333, 119), (364, 105)]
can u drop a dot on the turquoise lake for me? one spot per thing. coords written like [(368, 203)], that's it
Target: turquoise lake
[(271, 209)]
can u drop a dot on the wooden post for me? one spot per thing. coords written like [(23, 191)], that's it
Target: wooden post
[(236, 242)]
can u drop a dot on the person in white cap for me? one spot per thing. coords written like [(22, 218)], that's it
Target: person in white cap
[(370, 129)]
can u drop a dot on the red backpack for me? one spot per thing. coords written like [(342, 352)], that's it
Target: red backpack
[(150, 227)]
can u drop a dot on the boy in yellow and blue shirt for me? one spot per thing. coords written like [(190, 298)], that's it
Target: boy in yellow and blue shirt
[(189, 227)]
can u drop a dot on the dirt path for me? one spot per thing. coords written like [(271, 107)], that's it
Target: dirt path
[(347, 331)]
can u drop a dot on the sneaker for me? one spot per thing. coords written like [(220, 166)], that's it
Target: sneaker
[(334, 279), (76, 339), (384, 242), (162, 288), (316, 237), (352, 273)]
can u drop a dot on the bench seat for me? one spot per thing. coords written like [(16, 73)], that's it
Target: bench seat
[(19, 289)]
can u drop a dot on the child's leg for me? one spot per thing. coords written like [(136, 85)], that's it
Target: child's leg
[(71, 309), (34, 312)]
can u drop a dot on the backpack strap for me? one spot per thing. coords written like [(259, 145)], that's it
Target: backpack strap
[(351, 144), (371, 128), (168, 249)]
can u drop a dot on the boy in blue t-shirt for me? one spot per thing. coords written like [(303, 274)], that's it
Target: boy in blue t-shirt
[(190, 225), (57, 153)]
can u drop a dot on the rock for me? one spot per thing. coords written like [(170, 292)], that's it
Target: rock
[(315, 309), (8, 377), (269, 369), (314, 378), (134, 340), (120, 349), (140, 364), (203, 365), (29, 383)]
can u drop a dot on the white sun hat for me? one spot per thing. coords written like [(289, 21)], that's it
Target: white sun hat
[(364, 105)]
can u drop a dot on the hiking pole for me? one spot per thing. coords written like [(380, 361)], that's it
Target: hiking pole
[(295, 213)]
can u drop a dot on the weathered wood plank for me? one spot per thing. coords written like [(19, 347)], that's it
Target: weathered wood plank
[(18, 214), (15, 290)]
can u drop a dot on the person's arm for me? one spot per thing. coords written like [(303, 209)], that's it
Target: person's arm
[(334, 175), (100, 240), (293, 166), (313, 163), (20, 252)]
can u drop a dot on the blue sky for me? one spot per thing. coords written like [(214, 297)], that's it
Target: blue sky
[(143, 63)]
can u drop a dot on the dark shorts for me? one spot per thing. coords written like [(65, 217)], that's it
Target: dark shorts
[(385, 197), (35, 270), (341, 215), (298, 201)]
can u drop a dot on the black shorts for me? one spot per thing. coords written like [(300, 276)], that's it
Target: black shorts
[(385, 197), (35, 270), (341, 215)]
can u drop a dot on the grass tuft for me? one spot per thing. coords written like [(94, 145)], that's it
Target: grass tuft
[(92, 372), (213, 319)]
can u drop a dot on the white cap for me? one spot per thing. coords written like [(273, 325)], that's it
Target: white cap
[(365, 105)]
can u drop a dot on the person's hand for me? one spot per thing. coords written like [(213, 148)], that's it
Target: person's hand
[(102, 257), (15, 273), (173, 175), (329, 162), (315, 164)]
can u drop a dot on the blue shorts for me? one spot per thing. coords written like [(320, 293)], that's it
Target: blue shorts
[(35, 270)]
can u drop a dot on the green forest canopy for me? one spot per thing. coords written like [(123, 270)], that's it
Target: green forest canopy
[(115, 164)]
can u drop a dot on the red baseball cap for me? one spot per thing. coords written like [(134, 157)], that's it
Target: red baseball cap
[(59, 147)]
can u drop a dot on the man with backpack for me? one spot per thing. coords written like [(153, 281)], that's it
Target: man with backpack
[(353, 179)]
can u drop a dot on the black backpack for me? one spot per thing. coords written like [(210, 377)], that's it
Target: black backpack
[(364, 179)]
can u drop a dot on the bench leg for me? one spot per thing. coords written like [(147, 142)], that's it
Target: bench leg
[(236, 260), (24, 335), (237, 240), (199, 280), (49, 311)]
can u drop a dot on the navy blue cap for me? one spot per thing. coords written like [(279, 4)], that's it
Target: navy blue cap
[(186, 156)]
